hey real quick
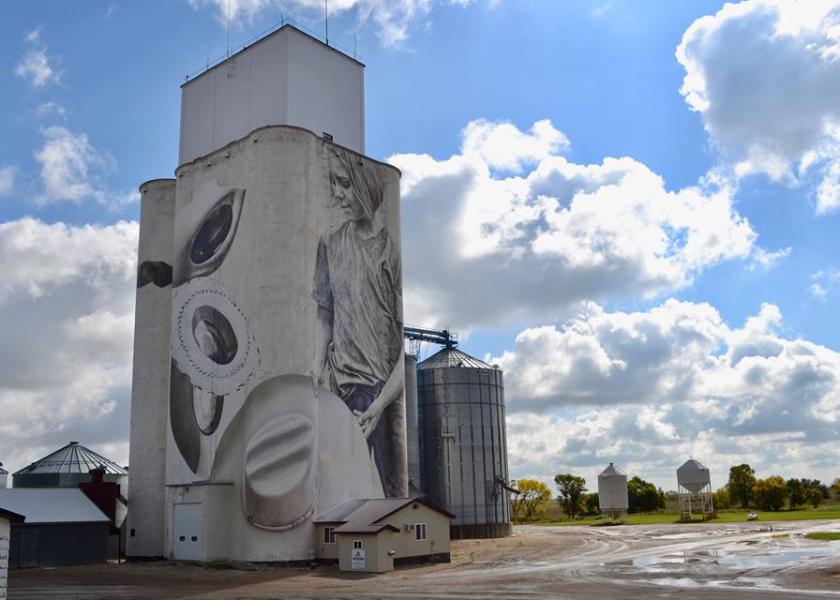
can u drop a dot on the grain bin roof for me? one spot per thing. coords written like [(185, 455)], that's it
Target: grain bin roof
[(452, 357), (72, 458), (691, 465), (612, 471)]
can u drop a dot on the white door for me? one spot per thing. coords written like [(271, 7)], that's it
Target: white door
[(188, 535)]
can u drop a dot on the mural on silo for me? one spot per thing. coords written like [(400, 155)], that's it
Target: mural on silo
[(213, 353), (287, 375), (358, 330)]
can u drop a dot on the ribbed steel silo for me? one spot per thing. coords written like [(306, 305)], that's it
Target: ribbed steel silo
[(463, 446)]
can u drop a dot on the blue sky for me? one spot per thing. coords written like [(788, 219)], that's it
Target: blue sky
[(606, 76)]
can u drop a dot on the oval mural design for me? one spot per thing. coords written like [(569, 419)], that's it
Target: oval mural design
[(214, 335), (213, 232)]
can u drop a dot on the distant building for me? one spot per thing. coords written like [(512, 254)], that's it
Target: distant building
[(62, 527), (374, 535), (76, 466), (68, 466), (4, 477)]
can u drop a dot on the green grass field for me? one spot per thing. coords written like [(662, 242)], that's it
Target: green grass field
[(827, 536), (554, 517)]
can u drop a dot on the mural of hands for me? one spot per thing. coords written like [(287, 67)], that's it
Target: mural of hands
[(369, 419)]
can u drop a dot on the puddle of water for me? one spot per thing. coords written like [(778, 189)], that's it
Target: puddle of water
[(649, 561), (779, 558), (678, 536), (681, 582)]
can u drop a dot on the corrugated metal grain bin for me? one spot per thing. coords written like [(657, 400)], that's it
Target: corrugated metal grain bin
[(463, 445)]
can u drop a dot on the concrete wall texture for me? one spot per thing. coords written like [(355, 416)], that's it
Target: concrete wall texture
[(150, 377), (282, 379)]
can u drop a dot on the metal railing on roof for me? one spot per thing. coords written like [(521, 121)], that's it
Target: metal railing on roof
[(283, 22)]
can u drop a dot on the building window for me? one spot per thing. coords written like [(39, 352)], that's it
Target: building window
[(420, 531), (357, 544), (329, 535)]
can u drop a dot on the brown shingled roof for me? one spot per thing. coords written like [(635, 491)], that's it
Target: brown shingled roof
[(369, 512)]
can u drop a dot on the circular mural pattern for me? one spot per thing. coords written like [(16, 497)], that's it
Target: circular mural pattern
[(211, 342)]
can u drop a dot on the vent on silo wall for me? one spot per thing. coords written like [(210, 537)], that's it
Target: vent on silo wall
[(463, 445)]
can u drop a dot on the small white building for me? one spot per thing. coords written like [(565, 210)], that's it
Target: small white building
[(374, 535), (7, 517), (612, 493)]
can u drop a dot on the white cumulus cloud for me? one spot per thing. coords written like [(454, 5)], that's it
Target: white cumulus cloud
[(36, 66), (503, 146), (72, 169), (393, 18), (483, 245), (765, 77), (67, 308), (648, 389)]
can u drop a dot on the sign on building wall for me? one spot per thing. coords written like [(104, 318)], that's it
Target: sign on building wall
[(286, 328), (357, 559)]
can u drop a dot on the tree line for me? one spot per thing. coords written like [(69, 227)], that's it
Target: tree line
[(742, 489), (573, 499)]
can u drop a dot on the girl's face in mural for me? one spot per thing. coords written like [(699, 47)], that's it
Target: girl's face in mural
[(343, 192)]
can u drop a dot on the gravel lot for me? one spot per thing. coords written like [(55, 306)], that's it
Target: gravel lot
[(709, 561)]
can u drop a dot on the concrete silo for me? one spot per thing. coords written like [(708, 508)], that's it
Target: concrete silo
[(268, 359), (411, 426), (695, 490), (612, 493), (463, 446)]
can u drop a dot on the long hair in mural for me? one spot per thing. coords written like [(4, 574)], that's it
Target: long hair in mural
[(358, 338), (287, 353)]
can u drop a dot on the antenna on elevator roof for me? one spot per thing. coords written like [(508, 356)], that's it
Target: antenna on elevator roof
[(326, 22)]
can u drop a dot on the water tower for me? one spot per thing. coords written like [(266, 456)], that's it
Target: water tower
[(694, 486), (612, 493)]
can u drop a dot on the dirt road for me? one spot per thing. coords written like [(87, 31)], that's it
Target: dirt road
[(694, 561)]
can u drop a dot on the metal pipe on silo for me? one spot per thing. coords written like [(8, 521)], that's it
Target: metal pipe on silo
[(463, 449)]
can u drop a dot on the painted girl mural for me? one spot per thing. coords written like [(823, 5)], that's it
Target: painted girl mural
[(358, 337)]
